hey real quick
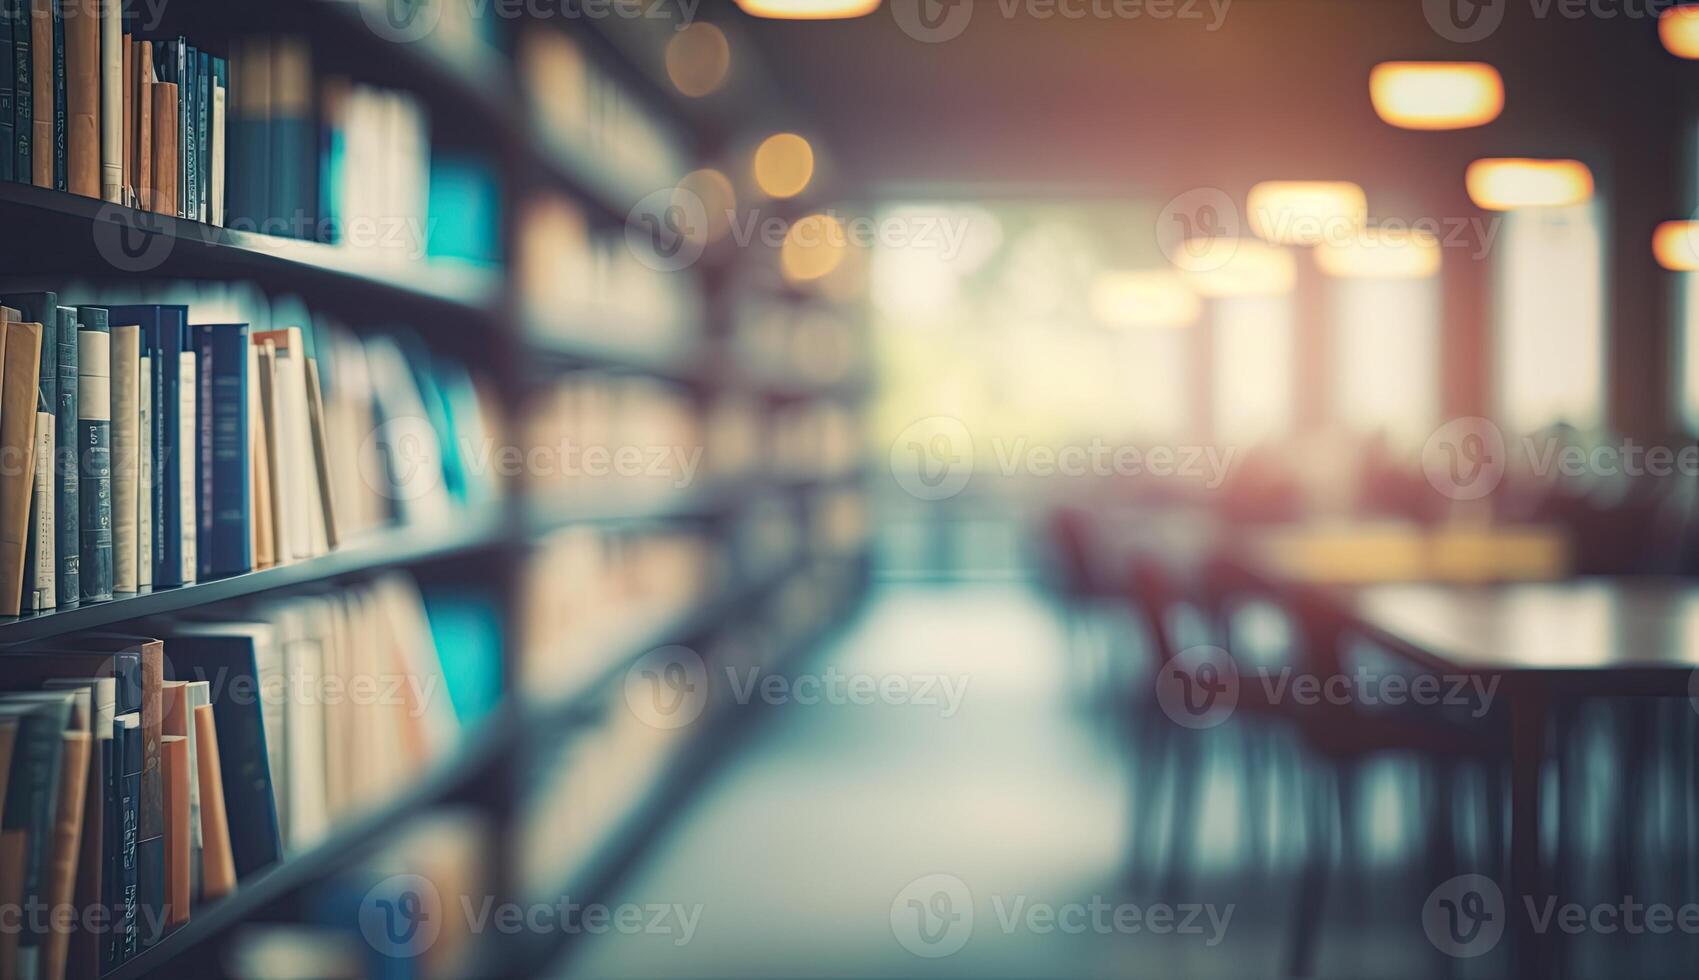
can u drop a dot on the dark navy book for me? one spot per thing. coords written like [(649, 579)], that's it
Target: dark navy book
[(94, 450), (23, 116), (66, 513), (8, 88), (225, 473), (60, 115)]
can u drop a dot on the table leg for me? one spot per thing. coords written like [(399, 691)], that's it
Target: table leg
[(1530, 708)]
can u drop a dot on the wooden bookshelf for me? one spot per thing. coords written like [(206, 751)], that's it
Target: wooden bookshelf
[(477, 314)]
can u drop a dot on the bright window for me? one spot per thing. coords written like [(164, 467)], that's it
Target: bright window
[(1254, 364), (1386, 356), (1549, 358)]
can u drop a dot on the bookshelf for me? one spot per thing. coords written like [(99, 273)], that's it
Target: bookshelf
[(478, 314)]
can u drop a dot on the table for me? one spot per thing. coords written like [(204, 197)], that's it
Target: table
[(1586, 637)]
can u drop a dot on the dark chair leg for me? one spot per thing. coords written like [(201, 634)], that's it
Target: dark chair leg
[(1312, 888)]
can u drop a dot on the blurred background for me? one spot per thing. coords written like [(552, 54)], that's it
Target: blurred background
[(1006, 488)]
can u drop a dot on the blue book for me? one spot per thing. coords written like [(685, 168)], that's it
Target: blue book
[(223, 500), (23, 115), (32, 796), (164, 340), (189, 89), (60, 176), (67, 516), (230, 662), (127, 837), (94, 450), (203, 135), (8, 88)]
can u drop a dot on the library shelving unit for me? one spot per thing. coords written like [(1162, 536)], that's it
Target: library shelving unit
[(473, 91)]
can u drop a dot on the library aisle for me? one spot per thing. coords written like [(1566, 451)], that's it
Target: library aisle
[(796, 852)]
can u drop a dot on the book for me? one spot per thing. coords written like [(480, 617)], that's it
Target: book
[(215, 191), (41, 114), (90, 932), (59, 113), (321, 453), (187, 460), (225, 499), (189, 91), (218, 868), (249, 133), (165, 111), (40, 556), (238, 660), (259, 393), (112, 97), (143, 149), (203, 135), (68, 829), (26, 842), (144, 473), (23, 81), (67, 515), (127, 122), (126, 352), (19, 395), (174, 755), (94, 442), (82, 95), (181, 699), (8, 90)]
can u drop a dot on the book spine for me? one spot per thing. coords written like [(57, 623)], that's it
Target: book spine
[(144, 125), (59, 113), (220, 129), (188, 89), (144, 483), (186, 458), (41, 592), (23, 83), (29, 808), (82, 95), (65, 508), (126, 341), (20, 397), (203, 134), (225, 511), (167, 552), (94, 441), (8, 89), (129, 837), (112, 98), (41, 58), (165, 119), (67, 836)]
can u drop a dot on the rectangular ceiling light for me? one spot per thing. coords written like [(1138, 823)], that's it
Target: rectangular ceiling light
[(1507, 183), (1436, 94), (1306, 212)]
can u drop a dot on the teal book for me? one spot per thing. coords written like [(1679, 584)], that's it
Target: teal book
[(94, 450)]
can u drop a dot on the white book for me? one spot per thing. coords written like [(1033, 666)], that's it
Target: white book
[(144, 489), (185, 451), (303, 666), (217, 181), (125, 352), (112, 94), (305, 535), (41, 592)]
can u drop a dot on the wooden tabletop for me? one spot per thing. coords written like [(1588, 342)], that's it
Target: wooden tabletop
[(1582, 625)]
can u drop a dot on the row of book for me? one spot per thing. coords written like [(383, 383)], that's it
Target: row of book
[(143, 451), (581, 106), (93, 110), (814, 344), (253, 138), (145, 776), (575, 277)]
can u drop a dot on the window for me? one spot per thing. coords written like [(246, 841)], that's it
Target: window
[(1385, 345), (1549, 358), (1254, 363)]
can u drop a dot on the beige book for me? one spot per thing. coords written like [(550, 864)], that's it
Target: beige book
[(272, 422), (82, 96), (127, 124), (41, 121), (18, 394), (144, 125), (218, 865), (321, 451), (112, 99), (174, 756), (126, 454), (67, 841)]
